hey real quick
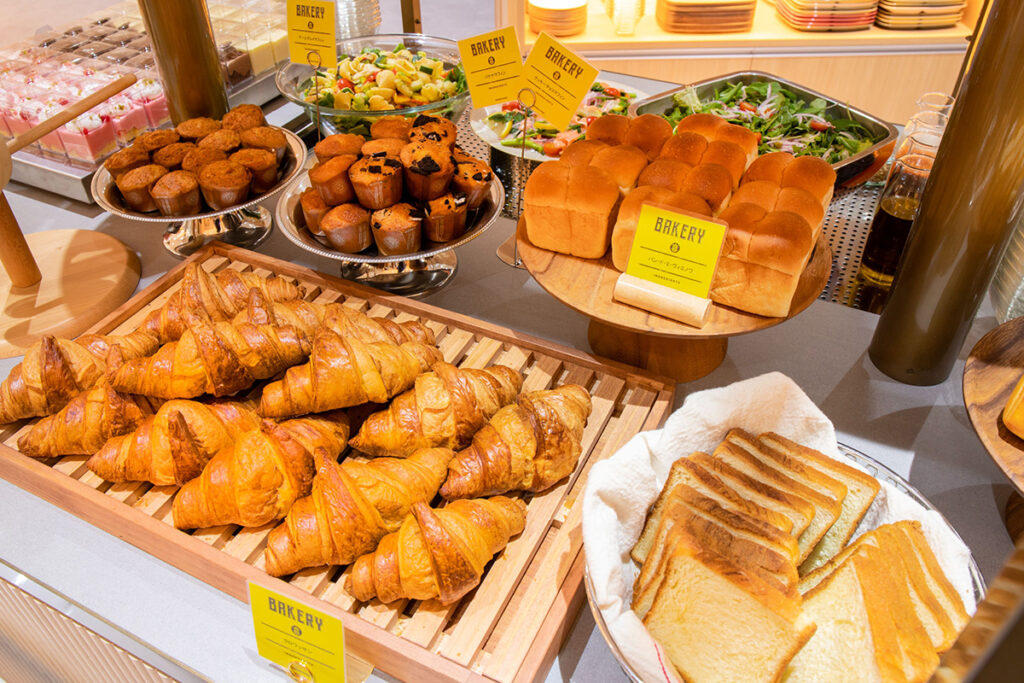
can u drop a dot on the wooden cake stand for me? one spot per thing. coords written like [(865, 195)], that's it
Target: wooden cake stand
[(993, 367), (648, 340)]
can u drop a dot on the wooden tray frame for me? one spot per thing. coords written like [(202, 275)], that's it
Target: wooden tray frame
[(535, 585)]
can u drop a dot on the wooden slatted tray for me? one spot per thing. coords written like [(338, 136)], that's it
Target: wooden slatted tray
[(534, 587)]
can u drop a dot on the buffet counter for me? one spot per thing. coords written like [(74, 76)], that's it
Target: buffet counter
[(194, 632)]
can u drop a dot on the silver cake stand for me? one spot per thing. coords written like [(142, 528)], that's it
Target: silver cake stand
[(413, 275), (243, 225)]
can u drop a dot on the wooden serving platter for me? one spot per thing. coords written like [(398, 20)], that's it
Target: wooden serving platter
[(511, 627)]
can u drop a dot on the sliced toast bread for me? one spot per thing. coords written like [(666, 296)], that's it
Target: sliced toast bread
[(684, 470), (746, 454), (798, 509), (861, 489), (936, 579), (719, 622)]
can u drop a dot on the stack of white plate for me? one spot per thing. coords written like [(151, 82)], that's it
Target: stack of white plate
[(357, 18), (919, 14), (625, 14), (557, 17), (827, 15), (705, 16)]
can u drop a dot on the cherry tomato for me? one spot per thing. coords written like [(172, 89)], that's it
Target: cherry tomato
[(553, 148), (820, 125), (510, 106), (612, 92), (344, 83), (747, 106), (590, 120)]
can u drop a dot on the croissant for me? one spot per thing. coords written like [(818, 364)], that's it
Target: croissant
[(210, 358), (344, 372), (220, 296), (133, 345), (527, 446), (174, 445), (85, 423), (437, 553), (353, 506), (444, 408), (258, 479)]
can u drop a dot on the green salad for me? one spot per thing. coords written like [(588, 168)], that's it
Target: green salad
[(785, 122)]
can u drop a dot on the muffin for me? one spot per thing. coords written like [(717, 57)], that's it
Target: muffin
[(396, 229), (347, 228), (173, 154), (194, 130), (377, 182), (460, 155), (330, 179), (224, 183), (135, 186), (225, 139), (177, 194), (445, 217), (473, 179), (313, 209), (244, 117), (428, 168), (265, 137), (196, 158), (155, 139), (384, 147), (124, 160), (263, 166), (391, 127), (336, 145), (427, 128)]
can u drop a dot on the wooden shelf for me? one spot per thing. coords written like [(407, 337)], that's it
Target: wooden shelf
[(768, 34)]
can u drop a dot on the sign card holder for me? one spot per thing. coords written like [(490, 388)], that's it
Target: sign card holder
[(672, 264), (312, 28)]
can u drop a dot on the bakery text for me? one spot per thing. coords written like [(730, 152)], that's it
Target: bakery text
[(489, 45), (295, 613), (679, 230), (563, 62), (308, 11)]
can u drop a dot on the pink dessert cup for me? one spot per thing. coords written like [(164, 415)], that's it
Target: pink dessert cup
[(89, 138), (127, 118), (149, 92)]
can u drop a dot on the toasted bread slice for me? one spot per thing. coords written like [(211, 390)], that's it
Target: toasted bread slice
[(861, 489), (749, 457), (798, 509), (936, 579), (857, 639), (683, 470), (719, 622)]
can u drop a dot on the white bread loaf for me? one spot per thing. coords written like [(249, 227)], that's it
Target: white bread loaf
[(667, 173), (610, 128), (622, 163), (648, 132), (580, 152), (687, 147), (570, 209)]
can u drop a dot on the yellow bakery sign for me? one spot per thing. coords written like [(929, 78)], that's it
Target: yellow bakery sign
[(558, 78), (676, 250), (312, 29), (307, 642), (493, 66)]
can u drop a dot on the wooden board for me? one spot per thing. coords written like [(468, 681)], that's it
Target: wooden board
[(993, 367), (511, 626), (586, 285), (86, 275)]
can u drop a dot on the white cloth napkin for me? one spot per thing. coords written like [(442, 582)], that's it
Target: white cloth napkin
[(621, 489)]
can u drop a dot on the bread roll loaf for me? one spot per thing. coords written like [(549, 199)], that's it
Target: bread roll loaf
[(580, 152), (570, 209), (547, 218), (706, 125), (622, 163), (610, 128), (687, 147), (801, 202), (768, 167), (710, 182), (744, 137), (629, 215), (812, 174), (762, 193), (648, 132), (729, 156), (667, 173)]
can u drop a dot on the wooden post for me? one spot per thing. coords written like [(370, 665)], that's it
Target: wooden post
[(14, 252)]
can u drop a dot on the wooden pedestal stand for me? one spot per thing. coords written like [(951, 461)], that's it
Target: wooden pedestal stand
[(647, 340), (58, 282)]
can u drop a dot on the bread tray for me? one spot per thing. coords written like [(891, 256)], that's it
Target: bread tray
[(845, 169), (510, 628), (875, 469), (244, 224)]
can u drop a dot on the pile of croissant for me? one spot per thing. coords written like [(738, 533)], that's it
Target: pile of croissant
[(238, 391)]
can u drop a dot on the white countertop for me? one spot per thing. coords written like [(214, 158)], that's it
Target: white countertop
[(923, 433)]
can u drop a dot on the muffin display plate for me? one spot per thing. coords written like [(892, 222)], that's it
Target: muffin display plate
[(875, 469), (106, 194)]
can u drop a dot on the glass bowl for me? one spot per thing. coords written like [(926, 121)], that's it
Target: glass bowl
[(292, 79)]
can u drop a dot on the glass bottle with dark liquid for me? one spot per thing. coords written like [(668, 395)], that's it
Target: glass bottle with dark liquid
[(890, 228)]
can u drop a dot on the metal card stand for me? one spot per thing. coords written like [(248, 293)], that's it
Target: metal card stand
[(508, 252)]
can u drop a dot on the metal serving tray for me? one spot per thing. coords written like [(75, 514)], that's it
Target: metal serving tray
[(846, 169)]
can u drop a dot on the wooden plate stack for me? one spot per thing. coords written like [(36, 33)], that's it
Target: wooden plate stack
[(827, 15), (557, 17), (705, 16), (919, 14)]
